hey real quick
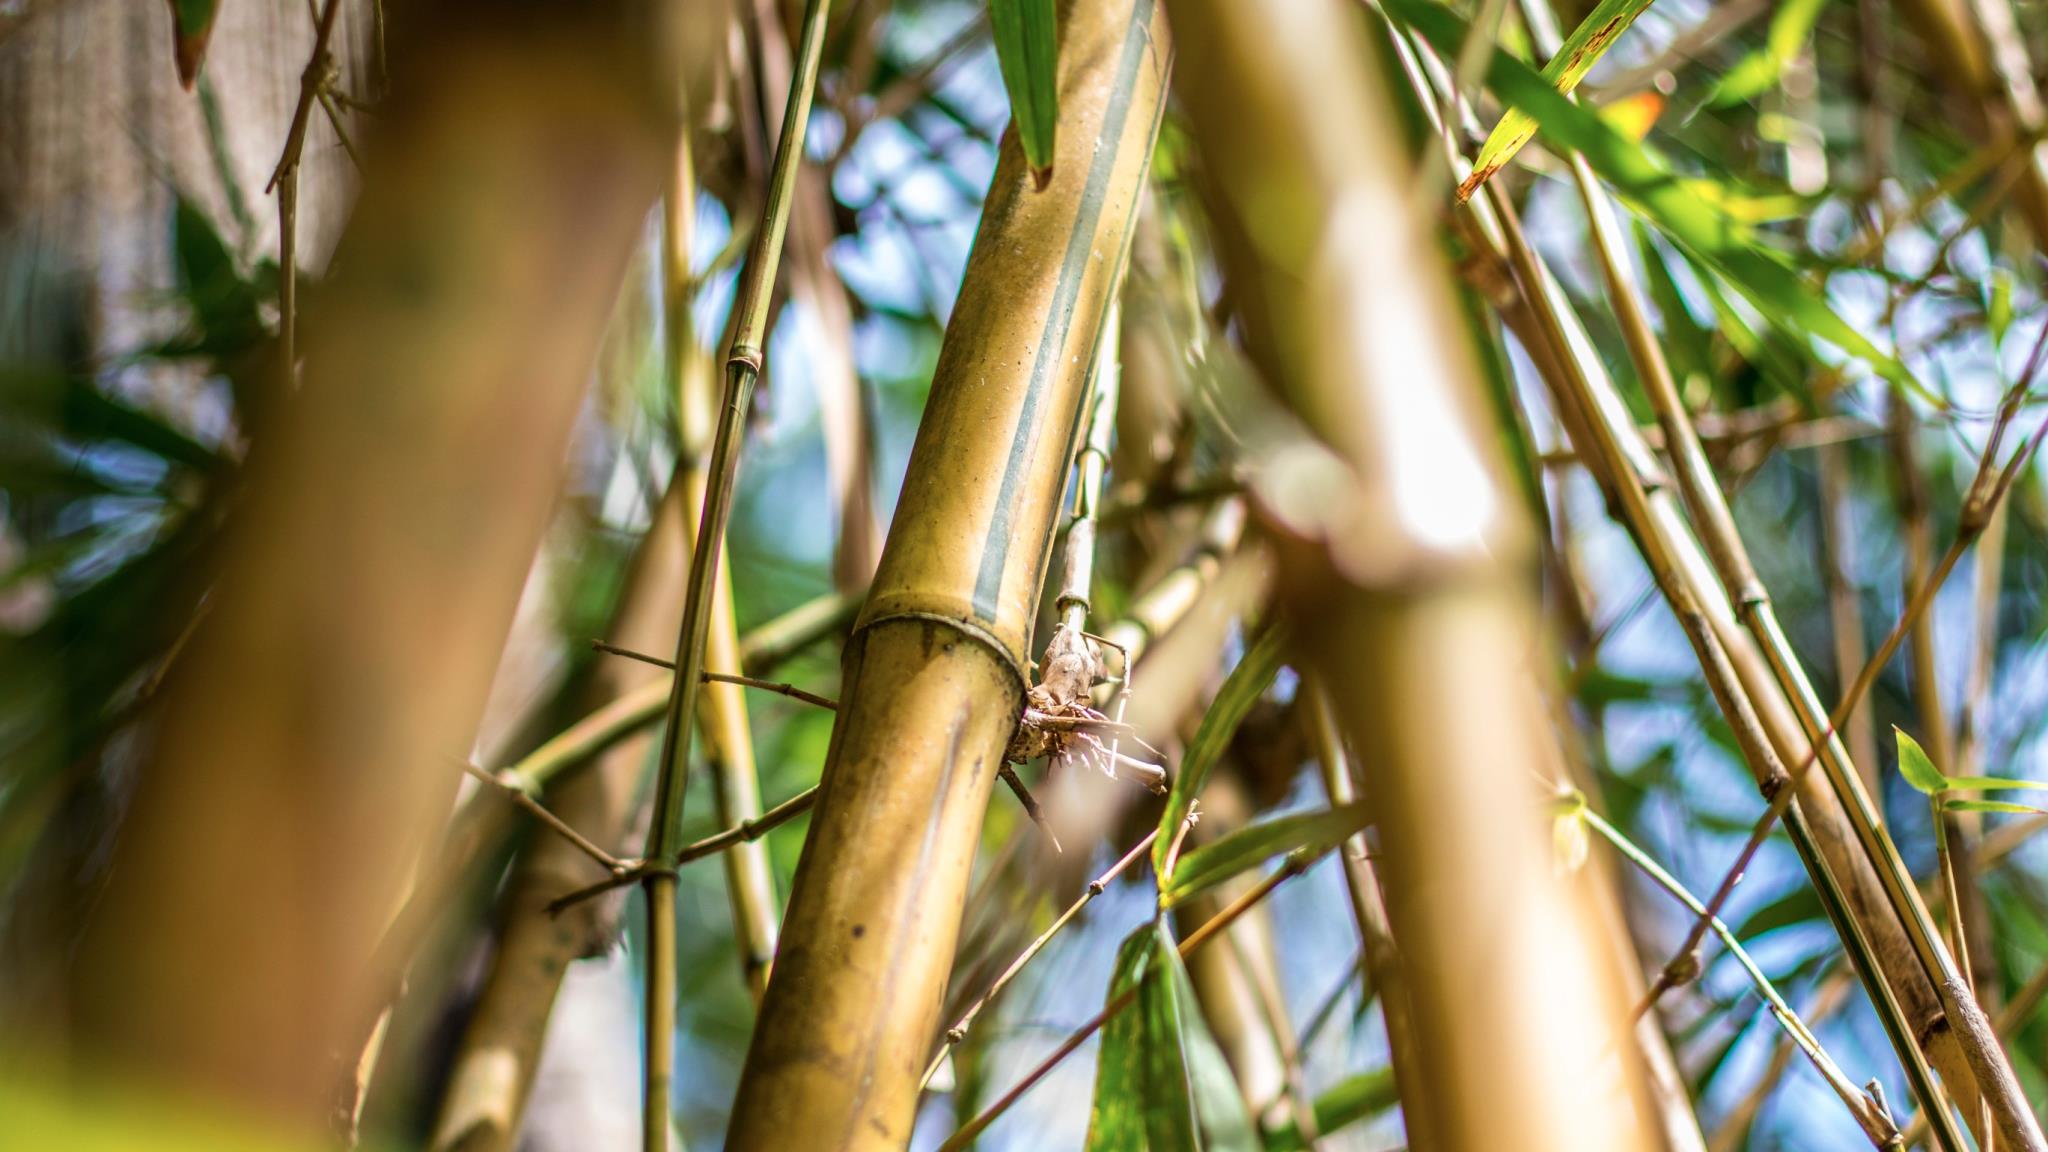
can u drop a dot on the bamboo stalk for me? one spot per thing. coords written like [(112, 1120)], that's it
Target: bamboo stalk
[(743, 368), (815, 286), (1368, 907), (492, 1074), (1845, 609), (721, 715), (934, 680), (314, 723), (1404, 587), (1986, 1061)]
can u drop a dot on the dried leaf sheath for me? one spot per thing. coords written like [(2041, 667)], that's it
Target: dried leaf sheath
[(934, 679)]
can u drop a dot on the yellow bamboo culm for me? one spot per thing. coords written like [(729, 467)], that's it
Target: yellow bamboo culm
[(1403, 563), (935, 674)]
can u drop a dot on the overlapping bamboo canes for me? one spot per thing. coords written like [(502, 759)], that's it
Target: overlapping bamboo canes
[(742, 370), (721, 717), (1404, 578), (935, 675)]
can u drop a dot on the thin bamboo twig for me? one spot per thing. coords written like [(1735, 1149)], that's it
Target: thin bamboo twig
[(1295, 866), (780, 687), (1845, 607), (1868, 1114), (1096, 887), (284, 179), (743, 368), (519, 799), (745, 832)]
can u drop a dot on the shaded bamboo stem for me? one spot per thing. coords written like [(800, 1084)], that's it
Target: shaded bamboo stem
[(965, 1135), (958, 1031), (1091, 463), (1845, 609), (1368, 907), (743, 368)]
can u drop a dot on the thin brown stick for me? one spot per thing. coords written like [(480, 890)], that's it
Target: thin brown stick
[(1096, 887), (1295, 866), (741, 833), (539, 811), (786, 689), (1031, 806)]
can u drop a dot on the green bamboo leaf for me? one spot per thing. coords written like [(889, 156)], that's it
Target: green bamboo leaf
[(1642, 177), (1246, 848), (1160, 1079), (1247, 682), (1356, 1098), (1581, 50), (1994, 784), (1758, 72), (1992, 806), (191, 28), (1915, 766), (1027, 49)]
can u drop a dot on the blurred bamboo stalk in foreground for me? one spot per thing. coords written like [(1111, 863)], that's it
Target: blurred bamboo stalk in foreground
[(935, 674), (1402, 570), (310, 740)]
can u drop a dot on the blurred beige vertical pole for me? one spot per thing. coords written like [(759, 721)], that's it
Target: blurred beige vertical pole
[(1407, 571), (493, 1071), (935, 672), (310, 747)]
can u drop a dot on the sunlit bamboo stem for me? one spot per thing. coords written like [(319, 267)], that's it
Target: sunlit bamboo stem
[(934, 677)]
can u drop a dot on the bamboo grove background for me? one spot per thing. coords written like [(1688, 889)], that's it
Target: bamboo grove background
[(1131, 574)]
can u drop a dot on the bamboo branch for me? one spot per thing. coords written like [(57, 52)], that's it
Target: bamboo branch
[(1096, 887), (743, 368), (314, 80)]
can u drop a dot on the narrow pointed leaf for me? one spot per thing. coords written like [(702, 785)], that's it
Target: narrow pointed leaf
[(1918, 770), (1994, 784), (1247, 848), (1992, 806), (1581, 50), (1246, 683), (1356, 1098), (1117, 1120), (1645, 180), (1027, 48), (191, 28)]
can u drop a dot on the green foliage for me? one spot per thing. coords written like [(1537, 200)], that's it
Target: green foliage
[(1161, 1084), (1246, 683), (1212, 864), (1027, 48), (1580, 51), (1355, 1098), (1759, 71)]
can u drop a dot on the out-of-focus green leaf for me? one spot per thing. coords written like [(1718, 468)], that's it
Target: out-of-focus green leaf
[(1356, 1098), (191, 28), (71, 408), (1027, 48), (1992, 806), (1247, 682), (1160, 1080), (1246, 848), (226, 307), (1998, 306), (1915, 766), (1758, 72), (1581, 50), (1673, 203)]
